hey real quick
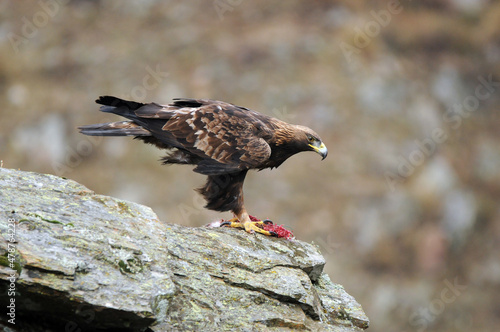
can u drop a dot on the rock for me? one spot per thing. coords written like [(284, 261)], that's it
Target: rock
[(84, 261)]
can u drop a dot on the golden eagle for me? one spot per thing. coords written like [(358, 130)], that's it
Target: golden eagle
[(223, 140)]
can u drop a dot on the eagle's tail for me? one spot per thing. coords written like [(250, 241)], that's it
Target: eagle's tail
[(121, 128), (224, 192), (125, 108)]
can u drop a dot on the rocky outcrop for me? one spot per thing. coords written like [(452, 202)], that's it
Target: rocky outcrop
[(82, 261)]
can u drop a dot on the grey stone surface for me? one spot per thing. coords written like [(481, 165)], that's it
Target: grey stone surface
[(87, 261)]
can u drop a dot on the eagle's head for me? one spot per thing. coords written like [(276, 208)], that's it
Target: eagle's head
[(310, 141)]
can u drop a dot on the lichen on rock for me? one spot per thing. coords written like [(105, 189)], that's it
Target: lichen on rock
[(95, 262)]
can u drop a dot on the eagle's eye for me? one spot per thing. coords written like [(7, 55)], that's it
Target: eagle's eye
[(310, 138)]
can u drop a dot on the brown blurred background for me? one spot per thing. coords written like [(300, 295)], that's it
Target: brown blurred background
[(404, 94)]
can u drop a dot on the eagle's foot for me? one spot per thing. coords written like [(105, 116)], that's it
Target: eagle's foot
[(250, 226), (256, 226)]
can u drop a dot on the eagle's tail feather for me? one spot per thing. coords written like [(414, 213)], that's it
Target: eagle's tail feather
[(121, 128)]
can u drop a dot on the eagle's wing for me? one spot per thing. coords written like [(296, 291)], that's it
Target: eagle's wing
[(227, 138)]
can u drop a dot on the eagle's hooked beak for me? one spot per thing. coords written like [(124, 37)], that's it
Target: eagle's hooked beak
[(322, 150)]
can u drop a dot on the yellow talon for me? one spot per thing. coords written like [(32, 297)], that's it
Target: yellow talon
[(249, 226)]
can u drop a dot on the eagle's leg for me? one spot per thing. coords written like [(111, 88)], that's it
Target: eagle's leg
[(242, 220)]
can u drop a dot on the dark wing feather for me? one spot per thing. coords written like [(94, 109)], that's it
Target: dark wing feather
[(220, 137), (227, 137), (151, 117)]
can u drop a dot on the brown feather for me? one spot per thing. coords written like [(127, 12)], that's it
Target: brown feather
[(224, 192), (224, 141)]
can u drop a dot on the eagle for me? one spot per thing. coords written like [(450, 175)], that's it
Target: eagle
[(222, 140)]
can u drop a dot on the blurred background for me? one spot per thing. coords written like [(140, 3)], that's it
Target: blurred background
[(405, 95)]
